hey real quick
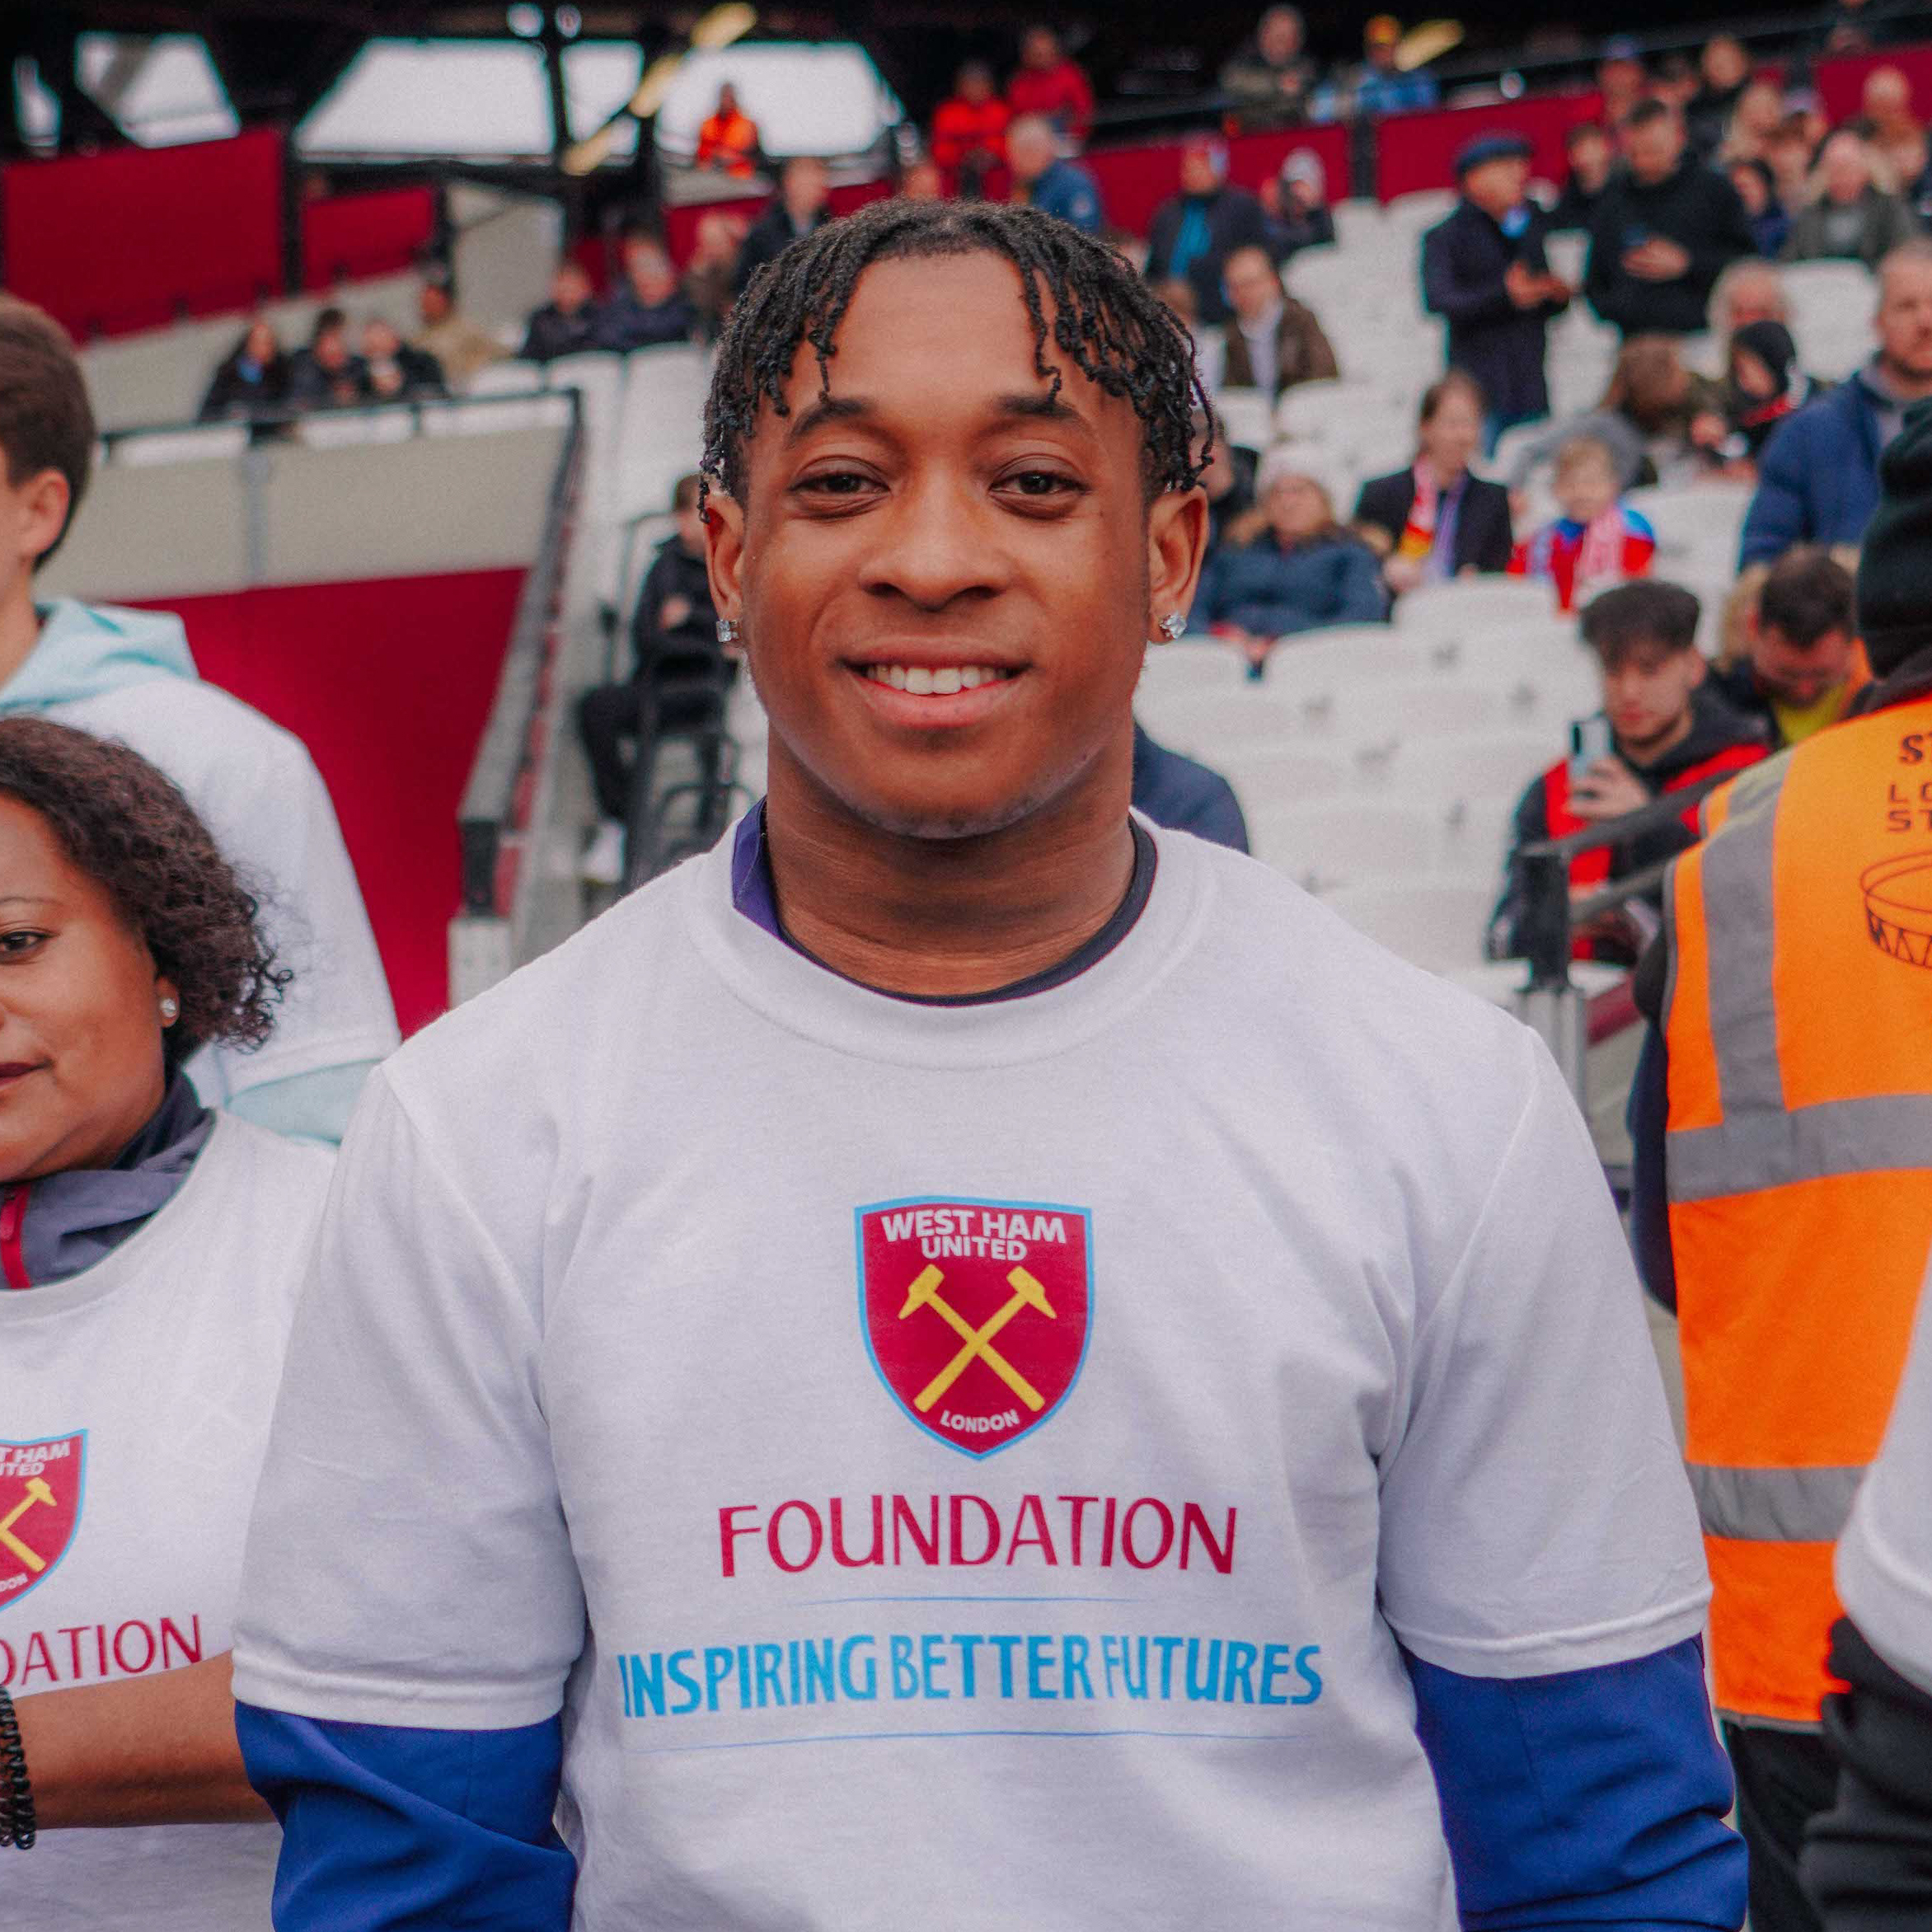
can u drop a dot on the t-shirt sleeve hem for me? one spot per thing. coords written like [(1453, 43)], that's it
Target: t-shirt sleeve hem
[(1546, 1653), (417, 1707)]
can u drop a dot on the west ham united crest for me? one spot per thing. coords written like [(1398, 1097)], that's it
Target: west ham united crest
[(40, 1488), (977, 1313)]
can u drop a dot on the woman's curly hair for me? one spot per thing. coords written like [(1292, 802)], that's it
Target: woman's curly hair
[(129, 829)]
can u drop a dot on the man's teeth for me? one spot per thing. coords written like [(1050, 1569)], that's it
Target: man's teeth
[(946, 681)]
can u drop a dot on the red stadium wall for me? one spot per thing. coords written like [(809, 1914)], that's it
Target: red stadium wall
[(681, 223), (1839, 83), (352, 237), (389, 683), (113, 242), (1417, 151)]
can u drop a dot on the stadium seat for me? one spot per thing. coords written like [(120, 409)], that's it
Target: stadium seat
[(1342, 654), (1328, 845), (1697, 525), (508, 378), (1831, 304), (1191, 664), (1359, 226), (1470, 605), (1246, 418), (1411, 214), (1439, 926), (1372, 715), (1450, 770), (1274, 777), (1206, 723)]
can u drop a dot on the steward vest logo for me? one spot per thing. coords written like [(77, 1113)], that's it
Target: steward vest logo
[(40, 1488), (976, 1313), (1898, 906)]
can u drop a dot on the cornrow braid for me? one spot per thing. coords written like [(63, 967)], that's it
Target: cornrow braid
[(1106, 322)]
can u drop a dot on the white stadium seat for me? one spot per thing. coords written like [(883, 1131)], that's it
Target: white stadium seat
[(1697, 524), (1465, 770), (1342, 654), (1438, 925), (1272, 777), (1245, 417), (1205, 723), (1329, 844), (508, 378), (1470, 604), (1392, 713), (1191, 664)]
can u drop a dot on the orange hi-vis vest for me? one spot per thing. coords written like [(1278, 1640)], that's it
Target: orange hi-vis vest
[(1799, 1164)]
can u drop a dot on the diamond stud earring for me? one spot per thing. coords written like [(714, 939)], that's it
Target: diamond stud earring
[(1172, 625), (171, 1010), (727, 630)]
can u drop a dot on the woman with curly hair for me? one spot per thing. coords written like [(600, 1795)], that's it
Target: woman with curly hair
[(149, 1253)]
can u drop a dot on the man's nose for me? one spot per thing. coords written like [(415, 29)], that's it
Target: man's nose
[(937, 541)]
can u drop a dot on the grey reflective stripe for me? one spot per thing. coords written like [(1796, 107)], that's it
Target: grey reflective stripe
[(1738, 869), (1872, 1136), (1774, 1505)]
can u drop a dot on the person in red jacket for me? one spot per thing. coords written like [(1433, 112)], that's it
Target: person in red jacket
[(1050, 83), (1668, 730), (970, 130)]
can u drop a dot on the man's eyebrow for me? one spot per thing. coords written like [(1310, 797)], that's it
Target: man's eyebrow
[(1037, 408), (827, 409)]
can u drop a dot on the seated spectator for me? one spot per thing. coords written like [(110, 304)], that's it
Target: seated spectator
[(728, 139), (328, 374), (1044, 179), (1195, 231), (1622, 79), (1180, 299), (969, 129), (1271, 341), (1888, 122), (1052, 85), (1757, 190), (1484, 271), (1435, 521), (395, 371), (461, 347), (1186, 796), (1299, 570), (1668, 731), (1723, 73), (1662, 233), (1379, 85), (1644, 418), (675, 618), (804, 187), (1818, 477), (1587, 148), (647, 307), (1804, 664), (1675, 84), (1597, 540), (1763, 385), (1754, 124), (712, 273), (1748, 291), (1269, 78), (1295, 202), (1791, 152), (1850, 217), (250, 380), (566, 325)]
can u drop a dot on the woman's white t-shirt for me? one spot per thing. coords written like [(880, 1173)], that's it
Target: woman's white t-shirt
[(969, 1466), (135, 1404)]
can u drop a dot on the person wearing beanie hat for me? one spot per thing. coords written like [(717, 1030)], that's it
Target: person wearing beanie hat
[(1485, 271), (1295, 201), (1195, 231), (1782, 1203)]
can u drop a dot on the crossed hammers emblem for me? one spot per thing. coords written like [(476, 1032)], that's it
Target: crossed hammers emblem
[(37, 1491), (976, 1343)]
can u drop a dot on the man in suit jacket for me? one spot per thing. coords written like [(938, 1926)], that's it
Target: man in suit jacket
[(1271, 341)]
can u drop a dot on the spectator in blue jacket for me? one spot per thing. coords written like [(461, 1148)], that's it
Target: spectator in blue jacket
[(647, 307), (1301, 569), (1185, 795), (1818, 480), (1043, 178)]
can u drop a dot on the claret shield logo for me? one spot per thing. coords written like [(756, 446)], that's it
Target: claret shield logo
[(40, 1488), (977, 1313)]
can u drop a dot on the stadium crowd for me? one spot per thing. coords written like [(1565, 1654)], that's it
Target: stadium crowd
[(170, 858)]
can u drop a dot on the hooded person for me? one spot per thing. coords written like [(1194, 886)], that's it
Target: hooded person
[(1763, 386), (129, 674)]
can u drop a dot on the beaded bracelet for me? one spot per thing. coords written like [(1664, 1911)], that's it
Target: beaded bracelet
[(17, 1794)]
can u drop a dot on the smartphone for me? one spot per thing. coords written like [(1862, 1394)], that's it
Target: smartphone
[(1590, 742), (1634, 237)]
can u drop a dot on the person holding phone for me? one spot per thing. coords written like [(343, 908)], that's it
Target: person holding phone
[(1661, 729)]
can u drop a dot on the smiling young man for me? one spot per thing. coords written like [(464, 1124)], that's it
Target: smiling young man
[(959, 1361)]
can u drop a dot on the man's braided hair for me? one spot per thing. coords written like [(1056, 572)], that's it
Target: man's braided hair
[(1105, 321)]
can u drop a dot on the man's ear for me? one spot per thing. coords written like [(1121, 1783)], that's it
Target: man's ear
[(1177, 543), (1701, 670), (46, 499), (724, 553)]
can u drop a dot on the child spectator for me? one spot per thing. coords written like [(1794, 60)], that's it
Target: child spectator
[(566, 325), (328, 374), (1763, 385), (1298, 571), (250, 380), (1052, 84), (393, 371), (1597, 540), (648, 308), (969, 129), (1805, 663), (1668, 729), (728, 139)]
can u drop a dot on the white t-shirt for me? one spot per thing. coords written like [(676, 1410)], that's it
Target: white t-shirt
[(1885, 1555), (255, 788), (134, 1402), (1034, 1422)]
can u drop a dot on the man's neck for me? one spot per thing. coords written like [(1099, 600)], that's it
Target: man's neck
[(936, 916), (1901, 386), (20, 625), (1269, 318), (1646, 753)]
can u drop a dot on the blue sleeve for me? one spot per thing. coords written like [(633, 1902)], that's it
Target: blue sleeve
[(1591, 1797), (1779, 516), (1648, 1118), (392, 1830), (1361, 600)]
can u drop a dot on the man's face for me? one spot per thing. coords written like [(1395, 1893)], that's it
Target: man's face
[(1253, 285), (1589, 160), (1040, 50), (1889, 96), (1030, 154), (1725, 62), (1496, 186), (945, 579), (569, 288), (331, 349), (1800, 675), (1646, 690), (1905, 320), (1845, 168), (976, 85), (1279, 37), (691, 529), (1199, 174), (649, 270), (806, 185), (1652, 150)]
